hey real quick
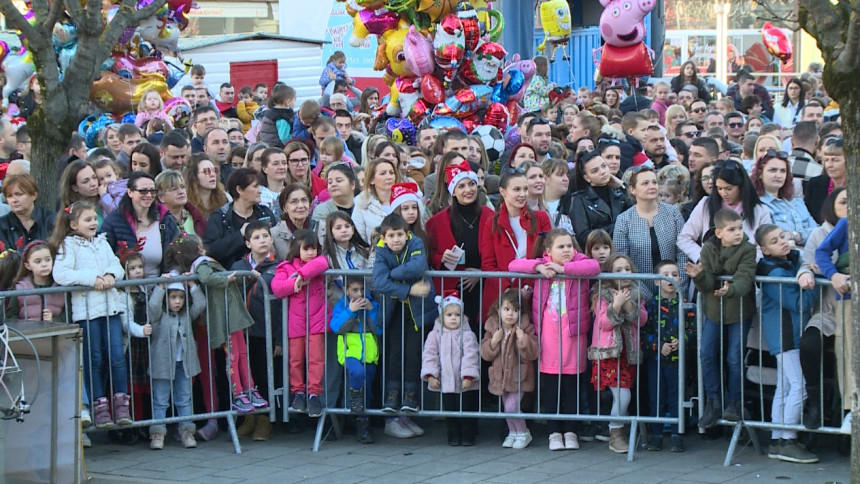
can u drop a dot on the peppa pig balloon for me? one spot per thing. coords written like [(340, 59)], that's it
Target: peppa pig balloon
[(622, 21), (776, 41), (418, 53)]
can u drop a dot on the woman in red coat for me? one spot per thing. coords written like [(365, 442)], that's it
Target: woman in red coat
[(510, 234), (458, 227)]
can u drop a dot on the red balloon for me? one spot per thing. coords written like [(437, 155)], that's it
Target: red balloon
[(471, 123), (632, 61), (513, 111), (418, 112), (432, 90), (777, 43), (497, 115)]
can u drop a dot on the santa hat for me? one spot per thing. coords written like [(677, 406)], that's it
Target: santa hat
[(450, 297), (457, 173), (402, 193)]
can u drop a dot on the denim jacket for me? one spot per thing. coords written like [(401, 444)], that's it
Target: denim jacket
[(790, 215)]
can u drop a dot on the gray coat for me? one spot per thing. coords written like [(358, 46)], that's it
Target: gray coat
[(166, 326)]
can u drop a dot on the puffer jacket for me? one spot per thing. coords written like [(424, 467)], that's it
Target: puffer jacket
[(120, 227), (79, 262), (451, 355), (737, 261), (513, 368), (307, 306), (223, 241), (356, 331), (785, 308), (615, 332), (276, 127), (30, 307), (255, 298), (14, 235), (393, 276), (367, 215), (166, 327)]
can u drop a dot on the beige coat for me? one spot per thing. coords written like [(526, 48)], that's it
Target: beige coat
[(513, 360)]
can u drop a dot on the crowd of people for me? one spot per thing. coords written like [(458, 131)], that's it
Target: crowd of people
[(658, 179)]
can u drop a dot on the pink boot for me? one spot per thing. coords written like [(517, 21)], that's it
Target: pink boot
[(121, 410)]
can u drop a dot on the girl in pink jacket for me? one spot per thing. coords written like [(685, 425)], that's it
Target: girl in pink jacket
[(300, 278), (561, 319), (451, 365), (619, 312)]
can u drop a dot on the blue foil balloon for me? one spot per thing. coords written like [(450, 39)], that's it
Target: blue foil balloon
[(128, 118), (447, 123), (400, 130), (509, 85)]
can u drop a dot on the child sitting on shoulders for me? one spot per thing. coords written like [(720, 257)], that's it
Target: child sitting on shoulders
[(452, 366)]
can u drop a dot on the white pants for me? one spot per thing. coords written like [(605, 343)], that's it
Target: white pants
[(789, 395)]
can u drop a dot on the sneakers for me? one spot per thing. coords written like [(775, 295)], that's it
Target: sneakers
[(791, 450), (186, 436), (85, 441), (508, 443), (846, 424), (735, 411), (156, 441), (655, 444), (86, 418), (412, 426), (395, 428), (812, 411), (209, 431), (522, 440), (363, 434), (571, 442), (601, 432), (263, 431), (555, 441), (247, 427), (120, 409), (103, 419), (410, 402), (677, 444), (356, 401), (392, 401), (618, 440), (588, 433), (257, 400), (242, 404), (314, 406), (709, 414), (773, 449), (299, 403)]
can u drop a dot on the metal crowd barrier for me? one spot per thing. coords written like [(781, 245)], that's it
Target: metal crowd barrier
[(759, 372), (429, 401), (242, 278)]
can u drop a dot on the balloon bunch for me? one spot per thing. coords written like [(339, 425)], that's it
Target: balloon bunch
[(442, 62), (622, 26)]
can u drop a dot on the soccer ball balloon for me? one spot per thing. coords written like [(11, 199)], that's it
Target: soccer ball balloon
[(493, 140)]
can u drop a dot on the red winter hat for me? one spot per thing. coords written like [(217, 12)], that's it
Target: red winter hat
[(404, 192), (449, 297), (457, 173)]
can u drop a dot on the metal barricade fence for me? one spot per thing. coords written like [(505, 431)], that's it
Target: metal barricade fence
[(132, 366), (553, 398), (768, 376)]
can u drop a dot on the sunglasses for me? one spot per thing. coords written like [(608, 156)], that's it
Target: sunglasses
[(514, 171), (146, 191), (698, 110), (834, 141), (728, 165), (692, 134), (608, 141), (770, 153), (736, 125), (209, 171)]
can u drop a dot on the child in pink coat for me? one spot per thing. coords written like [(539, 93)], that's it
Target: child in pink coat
[(561, 319), (300, 278), (451, 364), (619, 312)]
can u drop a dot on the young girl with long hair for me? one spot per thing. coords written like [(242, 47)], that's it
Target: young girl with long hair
[(37, 263)]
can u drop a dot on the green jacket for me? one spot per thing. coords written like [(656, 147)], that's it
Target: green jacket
[(224, 305), (738, 262)]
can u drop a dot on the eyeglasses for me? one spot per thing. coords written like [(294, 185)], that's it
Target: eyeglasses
[(209, 171), (300, 161), (698, 110), (834, 141), (146, 191), (691, 134), (736, 125), (707, 178)]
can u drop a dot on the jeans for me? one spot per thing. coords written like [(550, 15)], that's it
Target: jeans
[(181, 386), (102, 342), (663, 383), (789, 394), (359, 375), (735, 336)]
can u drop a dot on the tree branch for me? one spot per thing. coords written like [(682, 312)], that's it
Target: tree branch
[(824, 22), (791, 20), (55, 13), (14, 18), (848, 58)]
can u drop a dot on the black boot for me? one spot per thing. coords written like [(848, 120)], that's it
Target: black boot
[(362, 430), (710, 414), (468, 429), (356, 401), (735, 411), (455, 437), (812, 411)]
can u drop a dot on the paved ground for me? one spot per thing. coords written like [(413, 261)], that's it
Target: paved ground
[(289, 458)]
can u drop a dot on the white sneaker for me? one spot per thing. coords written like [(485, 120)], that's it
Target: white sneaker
[(571, 442), (509, 440), (523, 440), (86, 418), (395, 428), (846, 424), (412, 426), (85, 441)]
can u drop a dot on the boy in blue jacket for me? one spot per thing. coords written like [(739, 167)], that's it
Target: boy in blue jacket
[(660, 346), (408, 302), (785, 309), (354, 321)]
